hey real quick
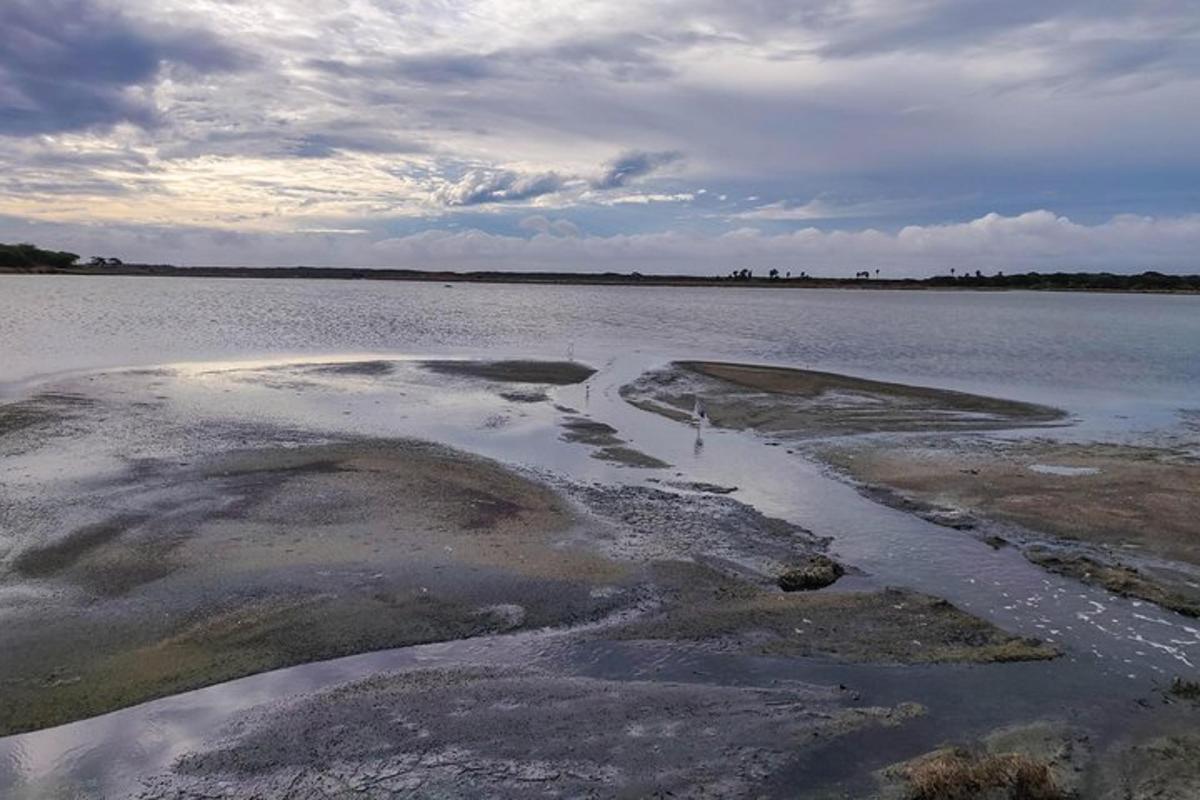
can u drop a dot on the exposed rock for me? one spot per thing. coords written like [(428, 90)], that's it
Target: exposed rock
[(816, 572)]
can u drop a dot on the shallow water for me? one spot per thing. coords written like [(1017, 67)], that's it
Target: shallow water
[(1122, 365), (1103, 356)]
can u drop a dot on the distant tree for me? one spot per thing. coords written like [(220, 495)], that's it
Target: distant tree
[(97, 261), (27, 256), (774, 274)]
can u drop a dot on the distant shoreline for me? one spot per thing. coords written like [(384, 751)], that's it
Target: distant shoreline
[(1144, 283)]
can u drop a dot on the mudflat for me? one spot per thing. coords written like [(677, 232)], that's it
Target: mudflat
[(278, 556), (810, 403), (619, 634), (1124, 517), (555, 373), (167, 574)]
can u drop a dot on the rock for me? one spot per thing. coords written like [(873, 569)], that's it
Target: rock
[(816, 572)]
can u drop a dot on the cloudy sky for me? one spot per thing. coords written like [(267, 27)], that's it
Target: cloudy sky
[(660, 135)]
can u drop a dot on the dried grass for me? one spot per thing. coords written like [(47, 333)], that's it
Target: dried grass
[(961, 775)]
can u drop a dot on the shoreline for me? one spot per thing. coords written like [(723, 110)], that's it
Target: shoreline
[(1120, 517), (1061, 282)]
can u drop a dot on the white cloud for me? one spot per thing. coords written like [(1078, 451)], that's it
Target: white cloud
[(819, 208), (297, 116), (1037, 240)]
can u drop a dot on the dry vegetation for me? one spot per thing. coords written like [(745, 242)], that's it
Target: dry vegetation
[(958, 774)]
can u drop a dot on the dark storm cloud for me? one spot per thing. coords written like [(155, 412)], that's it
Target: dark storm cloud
[(73, 64), (633, 164)]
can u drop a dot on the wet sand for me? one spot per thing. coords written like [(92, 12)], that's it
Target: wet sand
[(274, 557), (809, 404), (520, 733), (183, 573), (181, 567), (554, 373), (1123, 517), (1119, 516), (281, 556)]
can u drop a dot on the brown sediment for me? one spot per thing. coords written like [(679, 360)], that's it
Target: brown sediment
[(519, 396), (557, 373), (1122, 495), (281, 556), (588, 431), (630, 457), (1164, 587), (610, 446), (807, 403), (366, 369), (1130, 503), (1166, 767), (1136, 504), (890, 626)]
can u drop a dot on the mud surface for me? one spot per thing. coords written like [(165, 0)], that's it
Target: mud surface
[(808, 403), (259, 559), (217, 562), (1120, 516), (561, 628), (520, 734), (609, 446), (1123, 517), (891, 626), (1051, 760), (555, 373)]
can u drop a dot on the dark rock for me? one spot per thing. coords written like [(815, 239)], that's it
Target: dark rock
[(816, 572)]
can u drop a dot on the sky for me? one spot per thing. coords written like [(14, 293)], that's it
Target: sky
[(689, 136)]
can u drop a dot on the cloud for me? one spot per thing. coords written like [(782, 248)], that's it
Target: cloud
[(433, 68), (375, 113), (478, 187), (73, 64), (819, 208), (633, 164), (559, 227), (1036, 240), (484, 186)]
